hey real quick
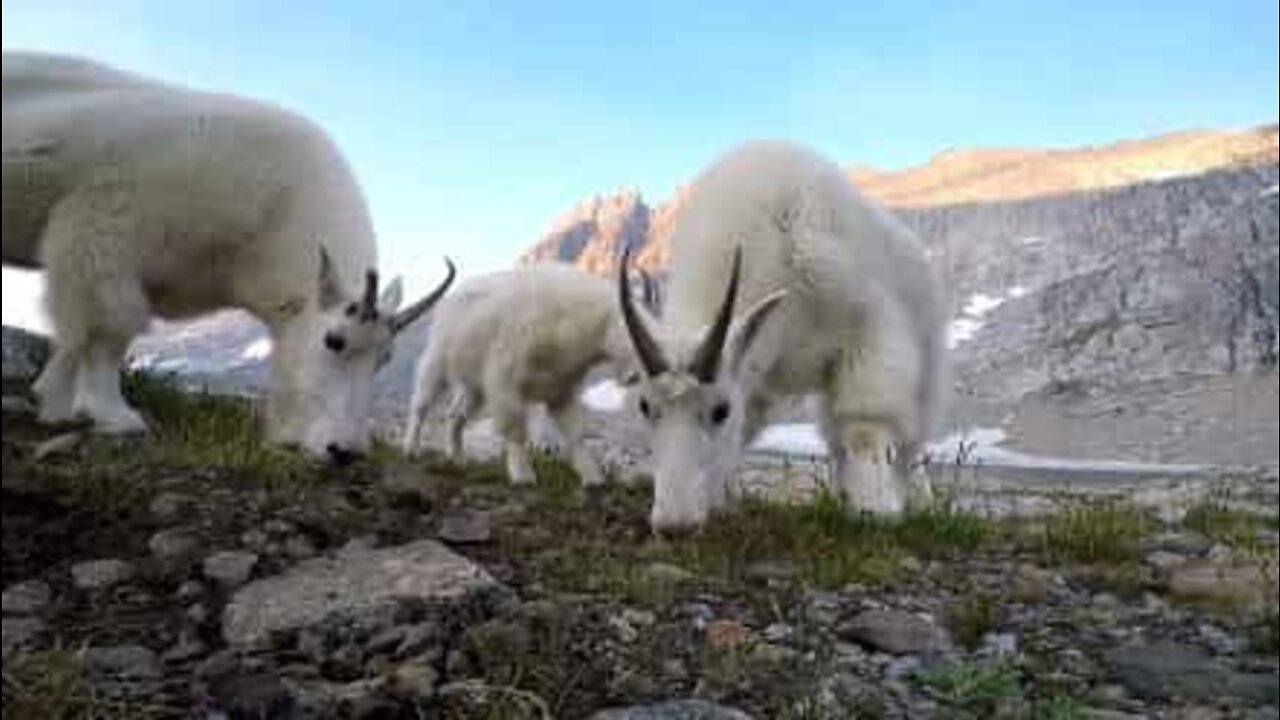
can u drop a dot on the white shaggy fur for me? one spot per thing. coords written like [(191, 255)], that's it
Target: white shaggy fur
[(507, 341), (141, 198), (837, 301)]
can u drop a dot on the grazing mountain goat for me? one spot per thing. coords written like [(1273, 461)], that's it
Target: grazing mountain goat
[(140, 198), (839, 303), (506, 341)]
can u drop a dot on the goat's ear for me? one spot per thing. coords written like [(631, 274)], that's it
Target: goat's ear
[(330, 288), (747, 327), (391, 298)]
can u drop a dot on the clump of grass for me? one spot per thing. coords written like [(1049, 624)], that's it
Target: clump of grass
[(1094, 534), (205, 430), (829, 544), (972, 689), (1235, 528), (52, 684), (971, 620)]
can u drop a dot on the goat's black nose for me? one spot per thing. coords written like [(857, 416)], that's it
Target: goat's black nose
[(339, 455)]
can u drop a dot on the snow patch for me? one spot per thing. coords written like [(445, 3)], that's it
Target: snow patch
[(259, 349), (1032, 240), (605, 396), (1270, 192), (973, 446)]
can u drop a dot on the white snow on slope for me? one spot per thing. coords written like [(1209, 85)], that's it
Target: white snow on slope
[(259, 349), (982, 447)]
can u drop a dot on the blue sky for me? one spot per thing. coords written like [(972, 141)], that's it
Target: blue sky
[(473, 124)]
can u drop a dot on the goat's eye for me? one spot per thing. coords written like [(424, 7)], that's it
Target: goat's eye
[(720, 413), (335, 342), (645, 409), (352, 308)]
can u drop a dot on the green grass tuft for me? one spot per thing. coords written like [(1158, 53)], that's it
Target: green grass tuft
[(52, 685), (972, 619), (972, 689), (1235, 528), (1094, 534)]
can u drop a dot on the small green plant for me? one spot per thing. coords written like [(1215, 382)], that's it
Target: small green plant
[(1232, 527), (972, 689), (1094, 534)]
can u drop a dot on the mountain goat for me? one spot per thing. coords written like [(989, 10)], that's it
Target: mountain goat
[(141, 198), (507, 341), (840, 303)]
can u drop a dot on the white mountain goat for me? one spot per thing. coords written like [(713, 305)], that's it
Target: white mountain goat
[(507, 341), (839, 303), (140, 198)]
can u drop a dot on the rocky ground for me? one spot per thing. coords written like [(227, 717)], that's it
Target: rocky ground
[(197, 573)]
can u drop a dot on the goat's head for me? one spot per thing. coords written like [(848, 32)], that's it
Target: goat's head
[(327, 360), (692, 394)]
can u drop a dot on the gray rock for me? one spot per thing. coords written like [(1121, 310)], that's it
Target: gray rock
[(96, 575), (171, 506), (896, 632), (1164, 560), (299, 547), (190, 591), (1244, 584), (125, 662), (20, 633), (63, 444), (230, 568), (465, 528), (24, 353), (188, 648), (1168, 671), (173, 547), (357, 580), (27, 598), (20, 406), (241, 694), (674, 710), (198, 615), (415, 680), (668, 573)]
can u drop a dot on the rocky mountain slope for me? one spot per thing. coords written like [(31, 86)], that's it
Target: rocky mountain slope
[(1080, 280)]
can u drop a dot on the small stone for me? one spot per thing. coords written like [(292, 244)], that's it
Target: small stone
[(415, 680), (667, 573), (1164, 560), (386, 641), (465, 528), (251, 695), (128, 662), (190, 591), (255, 540), (278, 528), (198, 615), (999, 645), (96, 575), (20, 633), (417, 639), (299, 547), (27, 598), (217, 665), (173, 547), (230, 569), (625, 632), (770, 571), (1168, 671), (1243, 584), (1031, 584), (187, 649), (772, 654), (726, 634), (778, 632), (406, 486), (170, 506), (675, 669), (1218, 640), (63, 444), (639, 618), (896, 632)]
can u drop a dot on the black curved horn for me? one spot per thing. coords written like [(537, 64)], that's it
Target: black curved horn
[(706, 362), (646, 347), (406, 317)]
